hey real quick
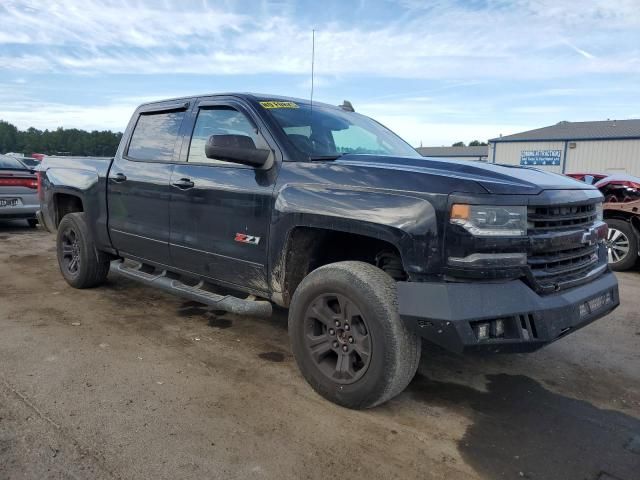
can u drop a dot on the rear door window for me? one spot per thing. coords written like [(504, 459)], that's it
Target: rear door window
[(155, 136)]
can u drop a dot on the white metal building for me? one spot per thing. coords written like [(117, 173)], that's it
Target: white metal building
[(455, 153), (574, 147)]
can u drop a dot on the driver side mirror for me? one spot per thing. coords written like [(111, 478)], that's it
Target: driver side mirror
[(237, 149)]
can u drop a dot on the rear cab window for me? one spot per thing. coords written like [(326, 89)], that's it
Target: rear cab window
[(155, 135)]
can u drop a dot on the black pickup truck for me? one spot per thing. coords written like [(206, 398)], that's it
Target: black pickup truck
[(239, 201)]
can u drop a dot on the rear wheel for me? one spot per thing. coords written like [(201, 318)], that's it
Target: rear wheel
[(347, 337), (81, 264), (622, 245)]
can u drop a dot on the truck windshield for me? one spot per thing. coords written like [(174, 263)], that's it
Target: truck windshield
[(324, 132)]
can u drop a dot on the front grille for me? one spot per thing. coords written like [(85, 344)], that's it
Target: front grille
[(552, 267), (561, 217)]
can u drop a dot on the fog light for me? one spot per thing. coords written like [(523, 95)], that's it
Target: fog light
[(498, 328), (482, 330)]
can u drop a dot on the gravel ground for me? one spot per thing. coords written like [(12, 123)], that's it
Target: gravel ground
[(124, 381)]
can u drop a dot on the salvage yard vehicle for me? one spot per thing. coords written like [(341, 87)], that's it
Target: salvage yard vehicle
[(319, 209), (622, 213), (18, 191)]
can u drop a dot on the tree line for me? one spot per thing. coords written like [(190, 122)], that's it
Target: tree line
[(474, 143), (61, 141)]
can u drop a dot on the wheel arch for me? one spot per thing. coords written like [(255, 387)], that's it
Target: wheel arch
[(64, 203), (405, 225), (308, 248)]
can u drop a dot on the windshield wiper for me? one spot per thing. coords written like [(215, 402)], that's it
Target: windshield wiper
[(318, 158)]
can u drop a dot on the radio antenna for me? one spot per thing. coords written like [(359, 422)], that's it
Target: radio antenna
[(313, 58)]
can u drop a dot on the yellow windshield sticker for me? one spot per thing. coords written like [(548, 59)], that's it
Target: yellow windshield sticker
[(279, 105)]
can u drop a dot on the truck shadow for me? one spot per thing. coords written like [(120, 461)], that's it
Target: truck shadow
[(522, 430), (14, 227)]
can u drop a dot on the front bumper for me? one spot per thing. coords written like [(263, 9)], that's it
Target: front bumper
[(444, 313)]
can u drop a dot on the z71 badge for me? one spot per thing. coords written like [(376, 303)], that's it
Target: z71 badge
[(244, 238)]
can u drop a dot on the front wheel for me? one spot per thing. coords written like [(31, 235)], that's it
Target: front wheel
[(347, 337), (622, 245), (81, 264)]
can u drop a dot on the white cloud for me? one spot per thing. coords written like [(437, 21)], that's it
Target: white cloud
[(524, 39), (582, 52), (112, 116), (432, 123), (463, 46), (417, 131)]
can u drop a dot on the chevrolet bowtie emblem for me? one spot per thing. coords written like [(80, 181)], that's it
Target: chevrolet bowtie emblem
[(590, 237)]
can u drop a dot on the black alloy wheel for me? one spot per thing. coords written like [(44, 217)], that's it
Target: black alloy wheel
[(70, 251), (337, 338), (81, 263)]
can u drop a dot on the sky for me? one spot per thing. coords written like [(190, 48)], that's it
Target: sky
[(436, 72)]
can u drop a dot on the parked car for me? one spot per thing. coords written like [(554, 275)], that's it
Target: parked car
[(621, 211), (589, 178), (319, 209), (18, 191)]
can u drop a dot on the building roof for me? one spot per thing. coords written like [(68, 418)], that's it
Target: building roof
[(601, 130), (481, 151)]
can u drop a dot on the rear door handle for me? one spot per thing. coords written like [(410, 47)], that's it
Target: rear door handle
[(184, 184), (119, 177)]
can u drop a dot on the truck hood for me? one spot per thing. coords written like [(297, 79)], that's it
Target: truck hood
[(494, 178)]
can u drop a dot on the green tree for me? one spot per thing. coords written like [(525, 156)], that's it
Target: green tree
[(60, 141), (458, 144), (8, 137), (477, 143)]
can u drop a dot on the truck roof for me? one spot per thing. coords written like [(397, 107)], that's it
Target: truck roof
[(256, 97)]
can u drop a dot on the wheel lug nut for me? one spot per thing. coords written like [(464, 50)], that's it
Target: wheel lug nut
[(346, 326), (345, 348), (337, 323), (350, 339), (332, 331), (335, 344)]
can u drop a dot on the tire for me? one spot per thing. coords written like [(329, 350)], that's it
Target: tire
[(33, 223), (81, 264), (384, 355), (621, 236)]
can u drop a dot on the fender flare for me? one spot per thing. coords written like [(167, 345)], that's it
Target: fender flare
[(409, 223)]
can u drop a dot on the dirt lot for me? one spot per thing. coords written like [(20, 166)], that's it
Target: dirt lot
[(127, 382)]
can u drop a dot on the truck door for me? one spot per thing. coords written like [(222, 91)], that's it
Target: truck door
[(220, 211), (138, 184)]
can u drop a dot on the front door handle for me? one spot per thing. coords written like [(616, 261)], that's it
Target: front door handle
[(119, 177), (184, 184)]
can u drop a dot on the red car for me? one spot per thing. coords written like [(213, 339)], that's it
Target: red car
[(622, 214)]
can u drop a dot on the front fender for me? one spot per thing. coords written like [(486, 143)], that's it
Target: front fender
[(408, 222)]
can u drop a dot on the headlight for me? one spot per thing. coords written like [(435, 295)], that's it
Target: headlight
[(490, 220)]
